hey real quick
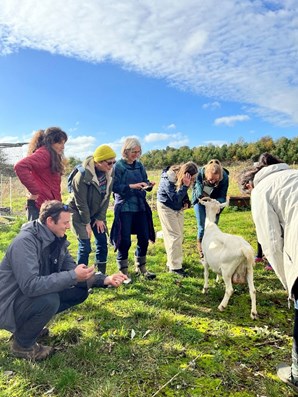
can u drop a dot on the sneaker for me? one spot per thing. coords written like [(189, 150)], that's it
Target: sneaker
[(181, 272), (258, 260), (284, 373), (36, 352)]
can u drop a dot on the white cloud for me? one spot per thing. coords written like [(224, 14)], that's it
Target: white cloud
[(178, 143), (171, 126), (80, 146), (156, 136), (211, 105), (243, 51), (231, 120)]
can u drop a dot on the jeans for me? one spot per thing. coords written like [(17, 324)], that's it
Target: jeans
[(32, 314), (133, 223), (200, 212), (101, 245)]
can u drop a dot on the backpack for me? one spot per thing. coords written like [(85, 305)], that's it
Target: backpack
[(77, 168)]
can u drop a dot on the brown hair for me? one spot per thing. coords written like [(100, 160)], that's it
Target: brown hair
[(247, 175), (189, 167), (47, 138), (53, 209), (214, 167)]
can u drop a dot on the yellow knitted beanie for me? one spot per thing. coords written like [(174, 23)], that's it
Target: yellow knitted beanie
[(103, 152)]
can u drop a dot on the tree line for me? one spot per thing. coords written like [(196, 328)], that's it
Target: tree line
[(284, 148)]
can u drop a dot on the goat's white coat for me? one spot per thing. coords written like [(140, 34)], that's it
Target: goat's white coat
[(227, 255)]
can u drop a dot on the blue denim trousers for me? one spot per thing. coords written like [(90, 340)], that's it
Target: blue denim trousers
[(32, 314), (133, 223), (200, 212), (101, 247)]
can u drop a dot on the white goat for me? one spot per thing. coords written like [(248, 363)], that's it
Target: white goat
[(227, 255)]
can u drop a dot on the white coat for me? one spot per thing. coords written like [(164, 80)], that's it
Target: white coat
[(274, 205)]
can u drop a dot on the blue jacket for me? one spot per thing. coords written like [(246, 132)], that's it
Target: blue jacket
[(167, 193), (125, 175), (219, 192)]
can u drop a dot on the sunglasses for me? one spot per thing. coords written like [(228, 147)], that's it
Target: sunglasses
[(110, 162)]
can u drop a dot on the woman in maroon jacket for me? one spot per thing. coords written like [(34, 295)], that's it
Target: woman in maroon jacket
[(40, 172)]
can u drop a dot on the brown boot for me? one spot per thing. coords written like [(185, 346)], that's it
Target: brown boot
[(36, 352), (199, 246)]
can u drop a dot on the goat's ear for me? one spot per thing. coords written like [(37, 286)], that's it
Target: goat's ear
[(223, 205), (203, 202)]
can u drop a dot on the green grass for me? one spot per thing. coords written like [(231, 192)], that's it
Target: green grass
[(183, 346)]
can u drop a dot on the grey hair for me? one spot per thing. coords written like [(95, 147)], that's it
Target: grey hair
[(129, 144)]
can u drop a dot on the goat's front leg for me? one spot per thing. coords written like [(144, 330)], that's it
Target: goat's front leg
[(206, 276), (252, 293), (228, 292)]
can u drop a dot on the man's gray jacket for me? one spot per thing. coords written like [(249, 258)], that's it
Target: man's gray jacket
[(25, 269)]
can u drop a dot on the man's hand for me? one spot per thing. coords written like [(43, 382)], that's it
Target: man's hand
[(115, 279), (84, 272)]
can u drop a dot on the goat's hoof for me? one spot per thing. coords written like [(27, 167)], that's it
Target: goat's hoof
[(205, 290), (254, 316), (221, 308)]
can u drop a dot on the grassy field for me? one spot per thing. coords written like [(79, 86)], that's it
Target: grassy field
[(162, 337)]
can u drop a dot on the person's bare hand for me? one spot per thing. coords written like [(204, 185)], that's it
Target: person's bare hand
[(84, 272), (138, 185), (100, 226), (32, 196), (115, 279), (186, 179), (89, 230)]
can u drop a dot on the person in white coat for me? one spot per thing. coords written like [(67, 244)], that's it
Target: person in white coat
[(274, 206)]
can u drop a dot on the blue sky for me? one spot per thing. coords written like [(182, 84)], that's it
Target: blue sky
[(171, 73)]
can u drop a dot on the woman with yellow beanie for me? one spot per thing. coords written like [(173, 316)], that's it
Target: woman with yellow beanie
[(92, 187)]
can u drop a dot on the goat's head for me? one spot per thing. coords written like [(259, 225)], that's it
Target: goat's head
[(212, 204)]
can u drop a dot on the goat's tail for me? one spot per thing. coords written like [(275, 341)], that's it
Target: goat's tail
[(239, 277)]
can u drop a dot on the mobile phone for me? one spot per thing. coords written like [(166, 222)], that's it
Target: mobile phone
[(127, 281)]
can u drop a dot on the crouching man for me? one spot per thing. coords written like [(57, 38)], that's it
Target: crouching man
[(39, 278)]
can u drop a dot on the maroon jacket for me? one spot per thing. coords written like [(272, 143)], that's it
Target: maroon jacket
[(35, 173)]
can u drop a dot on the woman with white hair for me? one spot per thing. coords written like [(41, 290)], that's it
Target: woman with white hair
[(132, 212)]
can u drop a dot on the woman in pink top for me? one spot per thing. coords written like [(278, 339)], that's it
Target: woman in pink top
[(40, 172)]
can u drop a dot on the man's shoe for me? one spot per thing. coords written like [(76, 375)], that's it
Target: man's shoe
[(36, 352), (181, 272), (284, 373)]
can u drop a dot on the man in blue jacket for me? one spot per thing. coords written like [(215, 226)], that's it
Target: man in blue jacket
[(39, 278)]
